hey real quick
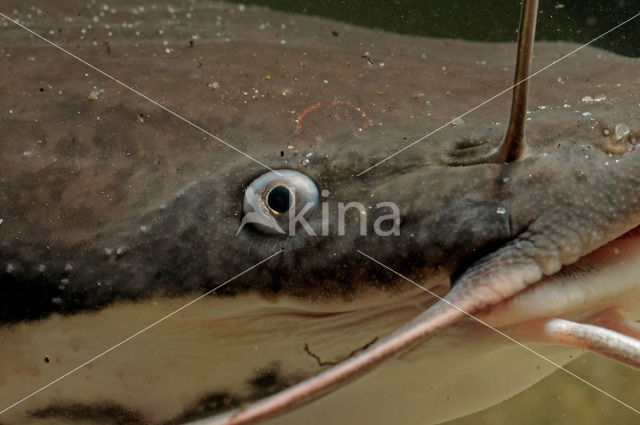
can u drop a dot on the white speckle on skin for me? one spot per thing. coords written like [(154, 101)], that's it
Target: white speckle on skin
[(93, 95), (598, 98), (501, 210)]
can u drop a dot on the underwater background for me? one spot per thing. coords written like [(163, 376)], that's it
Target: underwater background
[(486, 20)]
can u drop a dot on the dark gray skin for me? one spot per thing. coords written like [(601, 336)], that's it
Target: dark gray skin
[(112, 175)]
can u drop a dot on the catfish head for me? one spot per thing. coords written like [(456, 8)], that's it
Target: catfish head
[(231, 171)]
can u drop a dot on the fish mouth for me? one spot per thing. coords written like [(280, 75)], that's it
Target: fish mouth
[(604, 279), (608, 276)]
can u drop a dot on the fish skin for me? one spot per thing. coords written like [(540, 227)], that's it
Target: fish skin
[(144, 175)]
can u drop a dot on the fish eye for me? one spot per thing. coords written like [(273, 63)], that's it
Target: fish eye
[(275, 197)]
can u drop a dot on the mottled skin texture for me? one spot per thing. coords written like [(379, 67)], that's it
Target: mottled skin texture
[(80, 177)]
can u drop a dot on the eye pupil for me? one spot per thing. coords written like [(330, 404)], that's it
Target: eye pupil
[(279, 199)]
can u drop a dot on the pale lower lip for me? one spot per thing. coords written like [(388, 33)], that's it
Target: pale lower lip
[(608, 277)]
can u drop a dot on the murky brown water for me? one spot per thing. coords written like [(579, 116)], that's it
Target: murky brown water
[(561, 399)]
